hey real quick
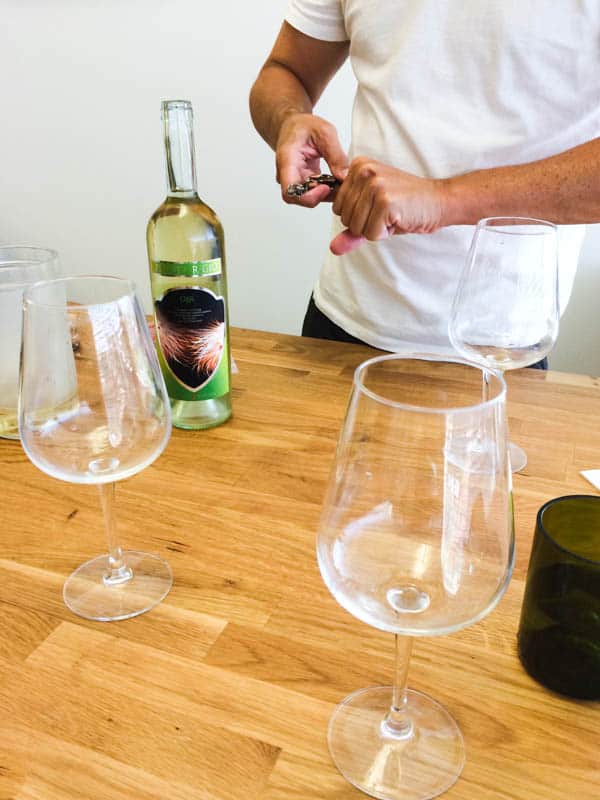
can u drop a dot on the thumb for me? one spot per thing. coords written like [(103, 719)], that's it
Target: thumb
[(338, 167), (334, 155), (345, 242)]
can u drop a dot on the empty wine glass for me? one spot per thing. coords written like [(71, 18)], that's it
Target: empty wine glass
[(415, 538), (93, 408), (506, 309)]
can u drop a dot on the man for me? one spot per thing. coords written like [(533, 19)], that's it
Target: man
[(464, 109)]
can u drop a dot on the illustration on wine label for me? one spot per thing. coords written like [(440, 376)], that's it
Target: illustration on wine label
[(191, 334)]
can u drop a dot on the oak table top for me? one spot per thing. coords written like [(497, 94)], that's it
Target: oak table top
[(225, 689)]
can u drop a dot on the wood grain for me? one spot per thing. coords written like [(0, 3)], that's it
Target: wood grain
[(225, 689)]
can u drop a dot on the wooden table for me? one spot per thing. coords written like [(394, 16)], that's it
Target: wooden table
[(225, 689)]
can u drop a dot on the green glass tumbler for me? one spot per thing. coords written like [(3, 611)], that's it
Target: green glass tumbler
[(559, 631)]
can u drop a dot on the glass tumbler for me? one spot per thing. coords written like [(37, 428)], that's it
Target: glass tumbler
[(559, 630), (20, 266)]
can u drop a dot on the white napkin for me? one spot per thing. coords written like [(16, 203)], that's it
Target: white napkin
[(593, 476)]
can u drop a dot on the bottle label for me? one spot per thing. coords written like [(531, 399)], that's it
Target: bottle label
[(191, 269), (192, 336)]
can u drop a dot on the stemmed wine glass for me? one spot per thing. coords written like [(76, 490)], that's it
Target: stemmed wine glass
[(93, 409), (415, 538), (506, 308)]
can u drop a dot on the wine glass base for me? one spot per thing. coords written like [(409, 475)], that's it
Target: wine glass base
[(518, 457), (418, 767), (88, 596)]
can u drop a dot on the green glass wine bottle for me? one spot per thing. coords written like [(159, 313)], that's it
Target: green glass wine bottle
[(186, 250)]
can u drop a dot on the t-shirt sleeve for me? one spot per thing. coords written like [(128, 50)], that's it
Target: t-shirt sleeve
[(321, 19)]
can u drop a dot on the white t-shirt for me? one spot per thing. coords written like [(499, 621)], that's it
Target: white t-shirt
[(445, 87)]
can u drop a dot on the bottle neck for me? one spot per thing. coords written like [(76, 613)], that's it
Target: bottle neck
[(179, 148)]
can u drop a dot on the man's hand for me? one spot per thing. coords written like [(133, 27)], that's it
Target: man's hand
[(305, 139), (376, 201)]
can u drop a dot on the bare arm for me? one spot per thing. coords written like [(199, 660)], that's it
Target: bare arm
[(377, 200), (282, 101), (292, 79), (564, 188)]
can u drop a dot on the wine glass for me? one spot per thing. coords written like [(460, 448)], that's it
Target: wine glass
[(415, 538), (93, 408), (506, 308)]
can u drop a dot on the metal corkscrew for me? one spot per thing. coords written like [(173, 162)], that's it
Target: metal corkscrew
[(298, 189)]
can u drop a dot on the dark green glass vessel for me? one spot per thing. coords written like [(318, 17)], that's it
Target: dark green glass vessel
[(559, 631)]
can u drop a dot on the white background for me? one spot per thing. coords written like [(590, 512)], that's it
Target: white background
[(81, 151)]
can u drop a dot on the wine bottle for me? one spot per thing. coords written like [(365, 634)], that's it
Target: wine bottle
[(186, 250)]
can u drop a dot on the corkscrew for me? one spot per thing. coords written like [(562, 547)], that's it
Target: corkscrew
[(298, 189)]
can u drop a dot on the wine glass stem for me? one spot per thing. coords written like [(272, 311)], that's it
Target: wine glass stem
[(119, 572), (397, 724)]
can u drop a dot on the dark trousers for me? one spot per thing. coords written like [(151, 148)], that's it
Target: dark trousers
[(317, 325)]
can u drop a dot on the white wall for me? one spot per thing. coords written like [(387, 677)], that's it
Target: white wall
[(578, 346), (82, 166)]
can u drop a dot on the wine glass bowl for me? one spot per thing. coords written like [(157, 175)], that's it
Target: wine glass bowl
[(93, 409), (415, 538), (505, 313)]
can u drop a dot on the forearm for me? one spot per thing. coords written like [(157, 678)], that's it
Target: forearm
[(564, 188), (276, 94)]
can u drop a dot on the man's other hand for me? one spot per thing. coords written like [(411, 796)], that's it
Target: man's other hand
[(376, 201)]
